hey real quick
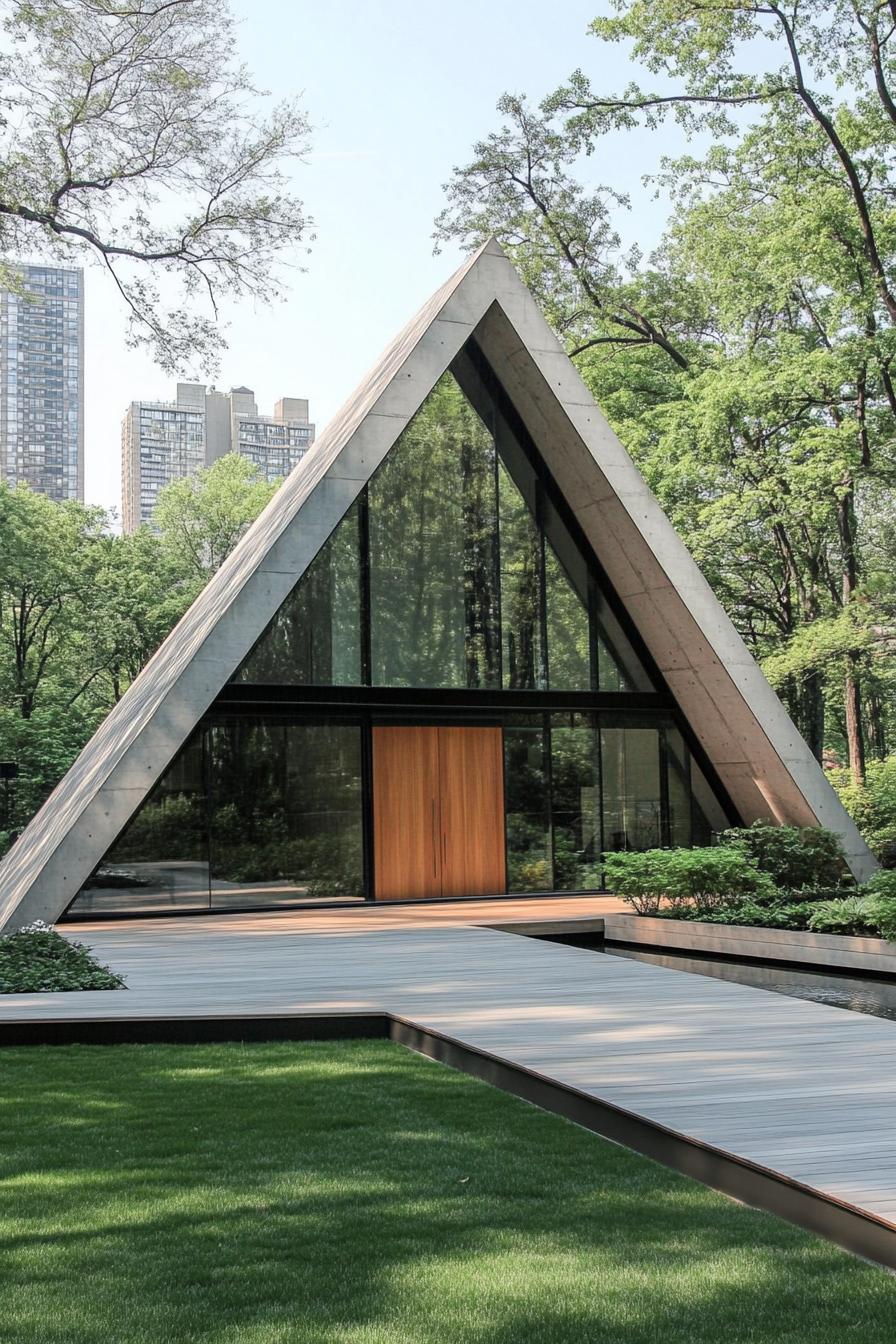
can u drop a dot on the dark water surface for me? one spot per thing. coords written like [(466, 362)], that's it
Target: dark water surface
[(877, 997)]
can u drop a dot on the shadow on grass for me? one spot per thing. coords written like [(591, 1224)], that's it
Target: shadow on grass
[(290, 1193)]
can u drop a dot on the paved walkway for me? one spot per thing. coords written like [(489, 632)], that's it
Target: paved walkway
[(804, 1089)]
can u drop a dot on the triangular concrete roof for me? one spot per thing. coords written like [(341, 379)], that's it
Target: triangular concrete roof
[(757, 752)]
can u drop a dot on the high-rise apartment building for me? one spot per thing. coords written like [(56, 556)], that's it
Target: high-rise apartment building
[(42, 381), (162, 441)]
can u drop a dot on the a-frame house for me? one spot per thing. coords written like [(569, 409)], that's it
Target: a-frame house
[(461, 653)]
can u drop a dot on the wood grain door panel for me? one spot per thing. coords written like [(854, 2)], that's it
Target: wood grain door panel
[(406, 820), (471, 777)]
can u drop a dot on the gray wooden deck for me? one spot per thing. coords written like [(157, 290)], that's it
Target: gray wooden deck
[(806, 1090)]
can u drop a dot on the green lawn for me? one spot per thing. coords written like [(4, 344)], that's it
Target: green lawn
[(270, 1194)]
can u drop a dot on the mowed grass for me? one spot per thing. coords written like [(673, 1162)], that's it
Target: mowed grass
[(357, 1194)]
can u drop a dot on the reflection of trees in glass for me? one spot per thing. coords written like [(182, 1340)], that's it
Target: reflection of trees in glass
[(458, 572), (170, 825), (678, 788), (526, 803), (569, 631), (286, 805), (433, 550), (160, 858), (630, 759), (315, 638), (575, 798), (520, 587), (169, 828)]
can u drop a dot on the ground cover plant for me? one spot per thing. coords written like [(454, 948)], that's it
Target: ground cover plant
[(38, 958), (358, 1194)]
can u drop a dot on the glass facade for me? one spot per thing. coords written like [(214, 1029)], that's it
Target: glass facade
[(160, 861), (271, 809), (471, 577), (285, 818), (455, 591), (434, 551), (315, 638), (254, 811)]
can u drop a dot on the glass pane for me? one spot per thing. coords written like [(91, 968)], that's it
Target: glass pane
[(433, 551), (630, 770), (526, 802), (520, 589), (285, 804), (678, 767), (575, 778), (709, 815), (160, 860), (618, 666), (315, 638), (569, 635)]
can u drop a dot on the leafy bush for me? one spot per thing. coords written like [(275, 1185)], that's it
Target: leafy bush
[(872, 805), (882, 884), (38, 958), (698, 880), (851, 915), (796, 858), (871, 914), (880, 893), (775, 914), (885, 917)]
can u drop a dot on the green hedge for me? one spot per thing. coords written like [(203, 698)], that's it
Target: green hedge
[(686, 882), (796, 858)]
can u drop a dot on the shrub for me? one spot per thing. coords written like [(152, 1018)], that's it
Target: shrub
[(699, 880), (885, 917), (38, 958), (769, 915), (882, 884), (872, 805), (851, 915), (880, 892), (796, 858)]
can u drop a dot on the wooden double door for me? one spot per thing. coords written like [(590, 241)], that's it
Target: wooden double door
[(438, 812)]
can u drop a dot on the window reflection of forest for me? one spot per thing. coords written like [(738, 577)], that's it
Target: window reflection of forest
[(474, 581)]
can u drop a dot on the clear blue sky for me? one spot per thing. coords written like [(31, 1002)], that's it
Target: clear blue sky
[(398, 91)]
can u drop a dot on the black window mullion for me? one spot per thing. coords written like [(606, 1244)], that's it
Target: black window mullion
[(549, 778), (665, 819), (542, 585), (364, 552)]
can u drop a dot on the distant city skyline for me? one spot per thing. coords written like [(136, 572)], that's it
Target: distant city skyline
[(42, 381), (164, 441)]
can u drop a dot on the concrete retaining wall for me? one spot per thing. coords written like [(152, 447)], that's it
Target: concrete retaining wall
[(808, 949)]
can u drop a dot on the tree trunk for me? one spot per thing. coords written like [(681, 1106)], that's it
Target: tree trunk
[(813, 713), (852, 689), (852, 698), (877, 734)]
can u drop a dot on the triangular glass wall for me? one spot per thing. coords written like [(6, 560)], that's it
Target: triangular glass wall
[(454, 569)]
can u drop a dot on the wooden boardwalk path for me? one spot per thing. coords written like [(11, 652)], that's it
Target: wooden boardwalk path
[(803, 1089)]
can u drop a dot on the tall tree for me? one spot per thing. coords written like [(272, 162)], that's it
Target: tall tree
[(201, 517), (132, 134), (49, 556), (748, 365)]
